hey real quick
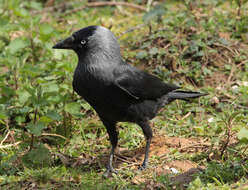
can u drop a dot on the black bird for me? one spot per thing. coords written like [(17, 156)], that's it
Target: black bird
[(116, 90)]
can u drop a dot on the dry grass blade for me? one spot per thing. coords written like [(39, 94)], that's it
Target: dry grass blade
[(10, 145), (4, 138), (55, 135)]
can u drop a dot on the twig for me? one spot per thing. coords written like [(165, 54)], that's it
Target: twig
[(231, 75), (235, 105), (229, 96), (162, 29), (220, 45), (15, 78), (55, 135), (10, 145), (242, 63), (148, 5), (103, 4), (123, 160), (239, 9), (197, 145), (32, 135), (4, 138), (129, 166), (229, 134), (187, 115)]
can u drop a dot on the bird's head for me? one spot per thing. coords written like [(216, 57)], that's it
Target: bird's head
[(91, 40)]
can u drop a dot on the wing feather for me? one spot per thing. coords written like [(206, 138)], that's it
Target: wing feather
[(139, 84)]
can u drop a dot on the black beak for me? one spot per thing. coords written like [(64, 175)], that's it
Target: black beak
[(65, 44)]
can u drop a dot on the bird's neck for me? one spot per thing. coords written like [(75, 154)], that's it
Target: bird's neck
[(99, 59), (94, 70)]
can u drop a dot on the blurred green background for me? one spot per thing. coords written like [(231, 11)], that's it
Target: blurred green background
[(50, 138)]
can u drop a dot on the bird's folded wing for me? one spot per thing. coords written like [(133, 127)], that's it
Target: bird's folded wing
[(141, 85)]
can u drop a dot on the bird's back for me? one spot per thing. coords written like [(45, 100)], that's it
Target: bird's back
[(98, 87)]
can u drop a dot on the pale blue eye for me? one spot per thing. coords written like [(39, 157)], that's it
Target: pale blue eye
[(83, 42)]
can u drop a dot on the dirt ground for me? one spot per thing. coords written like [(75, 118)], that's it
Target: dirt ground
[(182, 170)]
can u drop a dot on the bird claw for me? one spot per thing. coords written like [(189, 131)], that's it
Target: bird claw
[(109, 172), (143, 166)]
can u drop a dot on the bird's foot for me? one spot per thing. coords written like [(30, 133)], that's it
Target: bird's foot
[(143, 166), (109, 172)]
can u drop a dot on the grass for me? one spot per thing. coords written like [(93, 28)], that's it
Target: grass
[(52, 139)]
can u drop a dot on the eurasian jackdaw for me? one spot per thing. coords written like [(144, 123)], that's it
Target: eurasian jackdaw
[(117, 90)]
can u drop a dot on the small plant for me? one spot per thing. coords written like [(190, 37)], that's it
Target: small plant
[(51, 139)]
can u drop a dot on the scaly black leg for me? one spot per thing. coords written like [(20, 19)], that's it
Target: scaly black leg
[(113, 136), (148, 134)]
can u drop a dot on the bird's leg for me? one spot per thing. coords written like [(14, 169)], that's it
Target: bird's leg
[(113, 135), (110, 168), (145, 162), (148, 134)]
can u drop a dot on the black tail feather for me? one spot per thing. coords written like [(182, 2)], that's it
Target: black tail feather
[(184, 95)]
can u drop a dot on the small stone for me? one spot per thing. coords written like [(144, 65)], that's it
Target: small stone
[(215, 100)]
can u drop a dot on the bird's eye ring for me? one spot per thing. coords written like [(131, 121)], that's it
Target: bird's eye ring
[(83, 42)]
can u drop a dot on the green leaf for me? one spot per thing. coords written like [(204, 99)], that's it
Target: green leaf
[(199, 54), (21, 12), (73, 108), (153, 14), (45, 119), (153, 51), (3, 115), (142, 55), (17, 45), (243, 135), (86, 106), (55, 99), (46, 29), (53, 115), (23, 96), (36, 129), (46, 32), (37, 157), (60, 54), (199, 130), (51, 87), (50, 77), (224, 41), (35, 5), (3, 22), (25, 109), (206, 71)]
